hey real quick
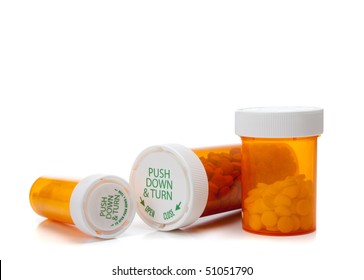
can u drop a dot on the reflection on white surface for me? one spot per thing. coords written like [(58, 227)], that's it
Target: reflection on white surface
[(60, 232)]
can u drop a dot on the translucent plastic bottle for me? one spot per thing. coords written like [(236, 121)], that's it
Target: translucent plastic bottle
[(101, 206), (175, 185), (279, 155)]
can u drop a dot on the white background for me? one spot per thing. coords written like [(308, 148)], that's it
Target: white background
[(86, 85)]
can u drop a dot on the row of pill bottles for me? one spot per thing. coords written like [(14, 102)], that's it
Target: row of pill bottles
[(272, 177)]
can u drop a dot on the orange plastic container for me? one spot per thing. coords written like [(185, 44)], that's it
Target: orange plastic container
[(223, 169), (175, 185), (279, 162), (98, 205)]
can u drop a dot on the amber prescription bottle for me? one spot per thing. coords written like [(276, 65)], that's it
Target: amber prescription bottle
[(99, 205), (175, 185), (279, 154)]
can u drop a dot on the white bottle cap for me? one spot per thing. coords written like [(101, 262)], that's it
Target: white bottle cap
[(102, 206), (279, 122), (170, 186)]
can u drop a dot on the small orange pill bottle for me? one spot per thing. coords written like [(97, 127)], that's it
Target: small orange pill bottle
[(175, 185), (279, 155), (99, 205)]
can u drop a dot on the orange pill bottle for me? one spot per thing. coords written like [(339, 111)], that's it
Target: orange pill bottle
[(175, 185), (279, 156), (100, 206)]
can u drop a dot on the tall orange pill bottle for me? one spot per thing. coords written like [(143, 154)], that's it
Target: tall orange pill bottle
[(279, 155), (99, 205), (175, 185)]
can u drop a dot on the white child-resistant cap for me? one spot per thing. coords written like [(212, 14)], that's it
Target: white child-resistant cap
[(279, 122), (170, 186), (102, 206)]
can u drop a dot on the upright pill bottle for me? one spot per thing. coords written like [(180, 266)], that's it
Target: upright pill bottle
[(279, 155), (99, 205), (175, 185)]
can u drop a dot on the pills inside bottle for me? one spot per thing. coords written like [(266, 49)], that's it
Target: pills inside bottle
[(279, 155), (223, 169), (98, 205), (175, 185)]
